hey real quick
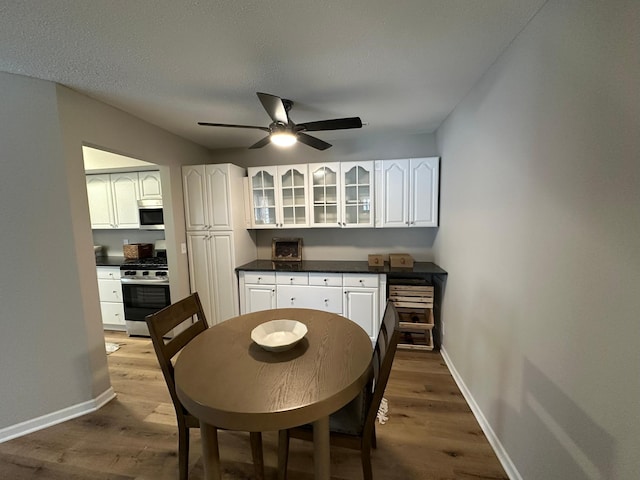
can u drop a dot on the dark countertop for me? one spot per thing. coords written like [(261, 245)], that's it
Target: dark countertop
[(104, 261), (340, 267)]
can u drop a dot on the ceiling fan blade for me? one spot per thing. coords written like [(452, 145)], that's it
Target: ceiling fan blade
[(261, 143), (335, 124), (207, 124), (274, 107), (312, 141)]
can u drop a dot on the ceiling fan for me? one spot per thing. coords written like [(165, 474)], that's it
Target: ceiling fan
[(282, 131)]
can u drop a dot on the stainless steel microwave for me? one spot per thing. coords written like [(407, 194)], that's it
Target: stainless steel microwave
[(150, 215)]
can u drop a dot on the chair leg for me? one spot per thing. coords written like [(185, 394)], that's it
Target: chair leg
[(183, 452), (256, 453), (365, 456), (283, 454), (373, 436)]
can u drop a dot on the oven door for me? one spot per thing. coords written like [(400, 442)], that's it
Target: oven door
[(142, 299)]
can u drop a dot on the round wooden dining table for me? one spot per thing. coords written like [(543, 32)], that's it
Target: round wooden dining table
[(227, 381)]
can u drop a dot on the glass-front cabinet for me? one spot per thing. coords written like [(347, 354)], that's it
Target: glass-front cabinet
[(325, 191), (279, 196), (263, 196), (357, 191)]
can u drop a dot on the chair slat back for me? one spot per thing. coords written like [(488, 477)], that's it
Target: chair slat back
[(165, 320), (383, 354)]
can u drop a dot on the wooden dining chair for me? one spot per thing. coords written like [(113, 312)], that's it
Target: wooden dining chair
[(162, 323), (353, 426)]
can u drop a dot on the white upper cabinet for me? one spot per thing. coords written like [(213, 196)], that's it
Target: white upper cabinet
[(279, 196), (100, 201), (207, 196), (407, 192), (357, 186), (150, 187), (262, 190), (113, 200), (325, 192), (196, 209), (125, 199)]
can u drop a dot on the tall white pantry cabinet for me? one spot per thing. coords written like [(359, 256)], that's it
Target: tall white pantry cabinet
[(217, 237)]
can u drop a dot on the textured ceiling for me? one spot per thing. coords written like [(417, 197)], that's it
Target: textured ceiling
[(401, 66)]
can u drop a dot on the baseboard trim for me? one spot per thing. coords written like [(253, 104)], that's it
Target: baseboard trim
[(498, 448), (53, 418)]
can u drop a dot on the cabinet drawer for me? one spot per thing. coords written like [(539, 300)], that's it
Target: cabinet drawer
[(108, 273), (110, 290), (288, 278), (112, 313), (325, 279), (328, 299), (260, 278), (360, 280)]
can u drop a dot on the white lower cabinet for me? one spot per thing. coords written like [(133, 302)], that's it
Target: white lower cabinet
[(361, 306), (210, 268), (110, 292), (320, 298), (359, 297)]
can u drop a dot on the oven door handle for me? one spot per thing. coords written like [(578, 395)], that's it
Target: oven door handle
[(134, 281)]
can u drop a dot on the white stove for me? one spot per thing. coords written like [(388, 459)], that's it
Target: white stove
[(145, 290)]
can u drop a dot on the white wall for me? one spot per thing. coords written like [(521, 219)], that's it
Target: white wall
[(44, 357), (52, 347), (540, 234)]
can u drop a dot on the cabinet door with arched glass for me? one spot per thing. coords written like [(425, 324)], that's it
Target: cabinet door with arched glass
[(357, 194), (324, 188), (293, 196), (262, 185)]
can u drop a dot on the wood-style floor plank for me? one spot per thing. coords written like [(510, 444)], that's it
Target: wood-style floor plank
[(431, 433)]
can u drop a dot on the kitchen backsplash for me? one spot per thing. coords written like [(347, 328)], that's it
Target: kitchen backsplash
[(112, 240), (354, 243)]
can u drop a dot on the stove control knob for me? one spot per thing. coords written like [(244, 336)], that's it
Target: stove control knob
[(130, 273), (145, 273), (161, 274)]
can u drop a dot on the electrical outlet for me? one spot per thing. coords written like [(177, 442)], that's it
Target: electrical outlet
[(125, 241), (183, 247)]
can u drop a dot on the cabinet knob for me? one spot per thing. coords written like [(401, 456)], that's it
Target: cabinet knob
[(259, 279), (407, 223), (361, 281), (326, 300), (291, 279), (413, 222), (292, 299), (325, 280)]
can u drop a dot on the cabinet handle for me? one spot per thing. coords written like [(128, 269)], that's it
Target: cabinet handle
[(407, 223), (413, 222)]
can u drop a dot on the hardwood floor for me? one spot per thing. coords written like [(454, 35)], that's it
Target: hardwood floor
[(431, 433)]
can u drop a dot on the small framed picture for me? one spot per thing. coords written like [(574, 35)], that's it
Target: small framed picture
[(286, 249)]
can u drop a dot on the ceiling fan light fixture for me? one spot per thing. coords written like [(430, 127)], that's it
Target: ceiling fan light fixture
[(283, 139)]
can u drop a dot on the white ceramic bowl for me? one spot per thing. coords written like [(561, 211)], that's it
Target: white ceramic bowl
[(279, 335)]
